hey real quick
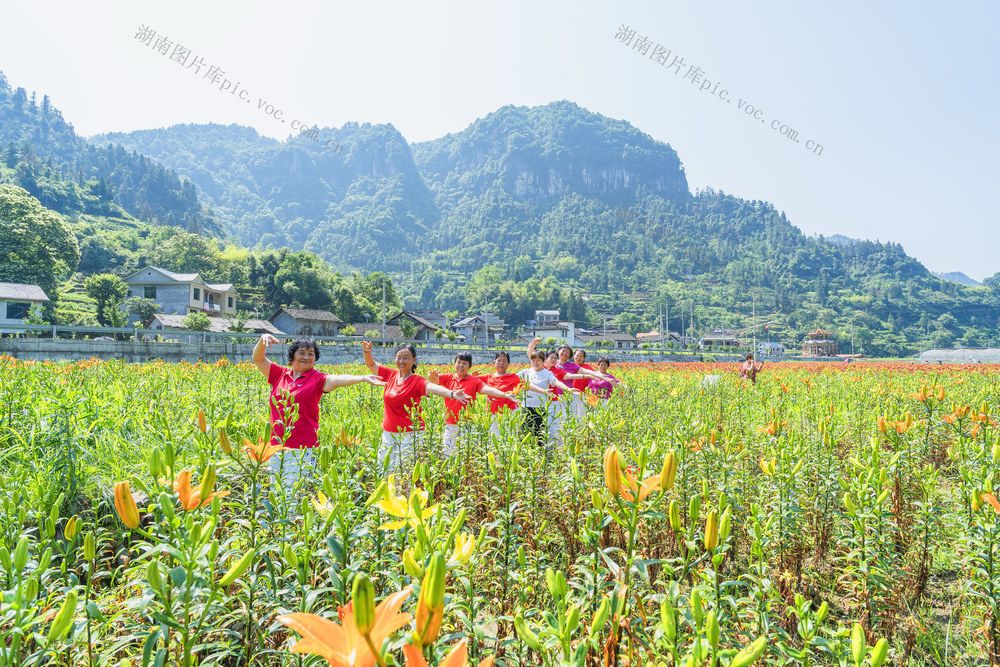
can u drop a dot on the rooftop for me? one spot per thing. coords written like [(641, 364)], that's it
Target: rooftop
[(22, 292)]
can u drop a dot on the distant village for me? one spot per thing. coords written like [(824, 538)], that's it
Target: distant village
[(180, 294)]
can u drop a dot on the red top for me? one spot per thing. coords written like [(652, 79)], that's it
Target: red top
[(305, 390), (582, 383), (470, 384), (560, 375), (506, 383), (401, 400)]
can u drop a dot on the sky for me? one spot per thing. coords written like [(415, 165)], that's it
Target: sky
[(872, 120)]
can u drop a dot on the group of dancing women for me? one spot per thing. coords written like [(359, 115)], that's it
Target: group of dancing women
[(549, 391)]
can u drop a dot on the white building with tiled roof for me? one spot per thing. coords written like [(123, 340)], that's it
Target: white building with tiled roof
[(17, 299), (306, 322), (182, 293)]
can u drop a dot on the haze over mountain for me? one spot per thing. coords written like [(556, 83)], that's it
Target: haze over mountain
[(520, 201)]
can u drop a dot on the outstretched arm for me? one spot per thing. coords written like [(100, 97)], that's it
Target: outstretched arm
[(369, 360), (334, 381), (259, 355), (438, 390), (496, 393), (531, 346)]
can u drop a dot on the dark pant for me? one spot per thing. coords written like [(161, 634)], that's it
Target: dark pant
[(534, 422)]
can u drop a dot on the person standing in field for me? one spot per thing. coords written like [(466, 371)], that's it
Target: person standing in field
[(506, 382), (471, 386), (535, 408), (749, 369), (301, 385), (601, 389), (565, 371), (403, 425)]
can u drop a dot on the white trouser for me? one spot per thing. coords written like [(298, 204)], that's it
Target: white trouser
[(401, 448), (556, 413), (291, 465)]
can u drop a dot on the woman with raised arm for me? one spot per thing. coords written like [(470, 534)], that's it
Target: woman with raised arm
[(471, 385), (302, 385), (535, 408), (749, 369), (403, 424)]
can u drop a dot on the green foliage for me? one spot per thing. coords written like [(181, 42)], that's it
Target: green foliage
[(197, 321), (347, 330), (140, 309), (36, 245), (408, 328), (107, 290)]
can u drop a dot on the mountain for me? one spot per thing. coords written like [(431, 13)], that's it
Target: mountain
[(42, 148), (958, 277), (526, 202)]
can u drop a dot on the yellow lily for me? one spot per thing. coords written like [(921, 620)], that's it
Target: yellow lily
[(403, 509), (465, 545), (322, 505)]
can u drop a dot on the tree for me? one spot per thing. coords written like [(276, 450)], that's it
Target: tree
[(37, 247), (197, 321), (188, 253), (347, 330), (408, 328), (370, 287), (140, 308), (107, 290)]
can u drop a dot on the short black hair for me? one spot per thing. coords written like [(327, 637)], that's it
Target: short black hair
[(464, 356), (749, 355), (564, 345), (603, 360), (538, 354), (503, 354), (550, 353), (583, 352), (300, 343)]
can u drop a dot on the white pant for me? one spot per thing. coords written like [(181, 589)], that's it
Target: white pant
[(291, 465), (578, 408), (402, 451), (449, 441), (556, 413)]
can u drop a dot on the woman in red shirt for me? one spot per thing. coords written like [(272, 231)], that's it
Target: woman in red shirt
[(403, 424), (471, 385), (302, 385)]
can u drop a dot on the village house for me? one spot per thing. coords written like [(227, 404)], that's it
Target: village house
[(17, 299), (619, 341), (819, 343), (182, 293), (306, 322), (174, 322), (479, 329)]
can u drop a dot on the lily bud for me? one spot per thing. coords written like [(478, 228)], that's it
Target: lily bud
[(525, 633), (202, 426), (156, 463), (600, 618), (128, 511), (430, 607), (64, 618), (72, 528), (612, 471), (237, 568), (643, 456), (596, 499), (849, 504), (713, 630), (21, 553), (675, 516), (89, 547), (858, 644), (725, 524), (411, 566), (291, 559), (824, 609), (668, 474), (153, 575), (208, 483), (881, 424), (940, 394), (363, 596), (976, 500), (697, 613), (879, 652), (227, 447), (712, 531), (694, 508), (750, 653), (668, 620), (491, 461)]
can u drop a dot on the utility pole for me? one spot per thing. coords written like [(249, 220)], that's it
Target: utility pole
[(605, 327), (683, 331), (691, 321), (753, 350), (852, 336), (383, 306)]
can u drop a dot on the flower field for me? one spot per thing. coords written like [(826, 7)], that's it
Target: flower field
[(828, 515)]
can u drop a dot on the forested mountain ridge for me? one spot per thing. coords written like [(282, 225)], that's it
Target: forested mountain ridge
[(527, 206)]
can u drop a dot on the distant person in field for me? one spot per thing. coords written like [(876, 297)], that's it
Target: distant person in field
[(403, 425), (602, 389), (749, 369), (471, 386), (507, 382), (302, 385)]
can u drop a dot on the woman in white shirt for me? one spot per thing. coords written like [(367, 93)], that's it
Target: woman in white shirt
[(536, 404)]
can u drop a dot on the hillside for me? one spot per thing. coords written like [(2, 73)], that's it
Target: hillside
[(530, 206)]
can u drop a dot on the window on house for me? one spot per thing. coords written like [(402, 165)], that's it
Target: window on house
[(230, 302), (197, 294), (149, 291), (17, 310)]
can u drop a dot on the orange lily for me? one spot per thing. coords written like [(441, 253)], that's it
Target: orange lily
[(593, 400), (631, 486), (262, 451), (457, 656), (342, 645), (190, 497), (949, 418), (992, 500)]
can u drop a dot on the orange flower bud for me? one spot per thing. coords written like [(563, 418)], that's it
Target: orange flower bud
[(128, 511), (612, 471)]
